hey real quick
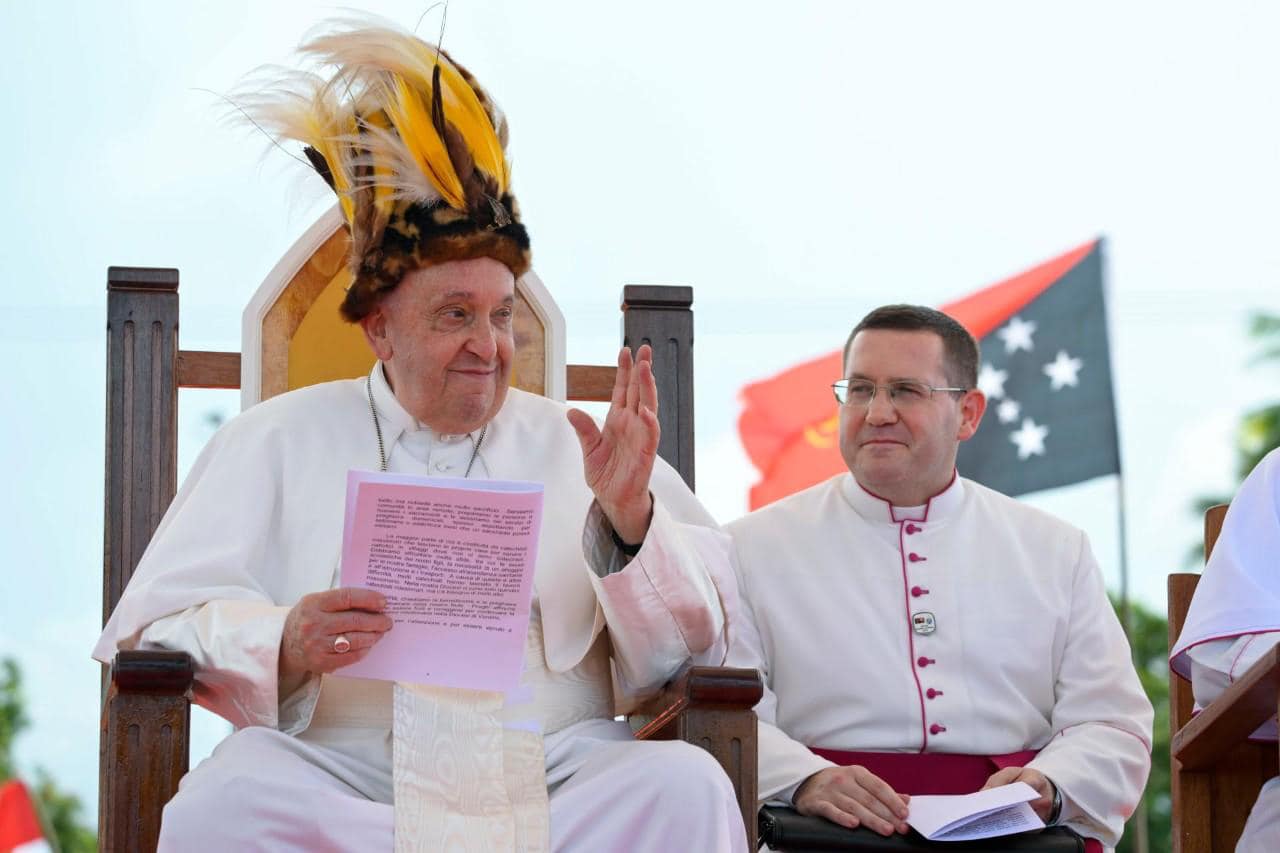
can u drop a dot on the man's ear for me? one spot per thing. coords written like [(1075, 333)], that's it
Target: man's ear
[(972, 405), (374, 326)]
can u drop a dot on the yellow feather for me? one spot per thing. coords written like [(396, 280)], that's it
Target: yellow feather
[(390, 50), (385, 78), (327, 131), (304, 107), (463, 110), (412, 120), (383, 174)]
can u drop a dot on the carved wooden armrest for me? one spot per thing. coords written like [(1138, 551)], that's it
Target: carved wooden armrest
[(1232, 717), (146, 719), (697, 688), (711, 707), (156, 672)]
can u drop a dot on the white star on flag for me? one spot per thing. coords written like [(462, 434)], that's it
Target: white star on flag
[(1030, 439), (1017, 335), (1008, 411), (1062, 371), (991, 381)]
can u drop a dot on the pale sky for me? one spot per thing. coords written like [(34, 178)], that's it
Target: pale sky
[(796, 163)]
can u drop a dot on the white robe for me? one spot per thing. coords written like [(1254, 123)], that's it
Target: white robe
[(258, 524), (1234, 619), (1027, 651)]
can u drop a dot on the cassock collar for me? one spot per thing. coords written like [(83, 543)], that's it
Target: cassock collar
[(874, 508), (394, 419)]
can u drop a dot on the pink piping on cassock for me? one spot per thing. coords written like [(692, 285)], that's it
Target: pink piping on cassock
[(911, 642), (1140, 738), (1178, 659), (906, 590)]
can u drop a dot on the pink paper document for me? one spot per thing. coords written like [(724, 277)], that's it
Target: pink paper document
[(455, 559)]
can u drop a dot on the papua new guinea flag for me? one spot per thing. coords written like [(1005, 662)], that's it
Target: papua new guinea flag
[(1046, 371)]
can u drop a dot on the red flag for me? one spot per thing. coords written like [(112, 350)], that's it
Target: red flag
[(788, 428), (20, 830), (789, 425)]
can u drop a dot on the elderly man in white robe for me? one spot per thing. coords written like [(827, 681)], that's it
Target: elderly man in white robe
[(630, 569), (1234, 619), (921, 634)]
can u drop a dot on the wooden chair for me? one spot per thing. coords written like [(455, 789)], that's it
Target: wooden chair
[(291, 338), (1215, 772)]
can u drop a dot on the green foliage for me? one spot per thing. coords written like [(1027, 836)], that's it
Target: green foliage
[(12, 718), (60, 811), (1258, 435), (1259, 430), (61, 814), (1149, 637)]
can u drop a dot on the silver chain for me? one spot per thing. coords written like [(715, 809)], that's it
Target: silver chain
[(377, 429)]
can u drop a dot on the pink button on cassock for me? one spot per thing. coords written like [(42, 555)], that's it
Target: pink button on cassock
[(936, 729), (911, 528), (917, 591), (924, 661), (916, 558), (931, 693)]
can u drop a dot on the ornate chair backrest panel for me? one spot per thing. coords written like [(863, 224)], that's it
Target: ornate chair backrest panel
[(294, 337)]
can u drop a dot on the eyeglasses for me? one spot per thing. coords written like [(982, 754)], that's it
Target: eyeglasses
[(903, 394)]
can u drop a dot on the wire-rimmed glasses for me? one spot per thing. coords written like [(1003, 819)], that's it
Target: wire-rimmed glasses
[(903, 393)]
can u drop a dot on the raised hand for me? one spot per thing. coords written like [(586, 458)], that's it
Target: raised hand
[(618, 459), (316, 621)]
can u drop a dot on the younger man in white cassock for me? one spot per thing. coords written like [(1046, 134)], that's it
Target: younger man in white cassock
[(919, 633), (1234, 619), (239, 574)]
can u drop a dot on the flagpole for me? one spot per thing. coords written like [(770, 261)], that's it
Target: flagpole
[(1140, 824), (1126, 621), (1141, 830)]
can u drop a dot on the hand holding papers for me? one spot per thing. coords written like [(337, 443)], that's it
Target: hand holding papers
[(455, 560), (995, 811)]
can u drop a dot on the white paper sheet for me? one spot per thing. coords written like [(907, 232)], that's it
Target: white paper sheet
[(996, 811)]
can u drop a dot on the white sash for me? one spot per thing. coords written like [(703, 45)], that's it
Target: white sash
[(468, 769)]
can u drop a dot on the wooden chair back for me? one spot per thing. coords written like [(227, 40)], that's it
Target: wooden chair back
[(1210, 805)]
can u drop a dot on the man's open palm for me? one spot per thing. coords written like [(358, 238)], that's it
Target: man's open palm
[(618, 459)]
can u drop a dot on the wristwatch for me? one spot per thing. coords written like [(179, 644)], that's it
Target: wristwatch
[(1056, 811), (624, 547)]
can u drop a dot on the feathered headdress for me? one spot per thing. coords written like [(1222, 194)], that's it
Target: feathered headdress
[(413, 147)]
